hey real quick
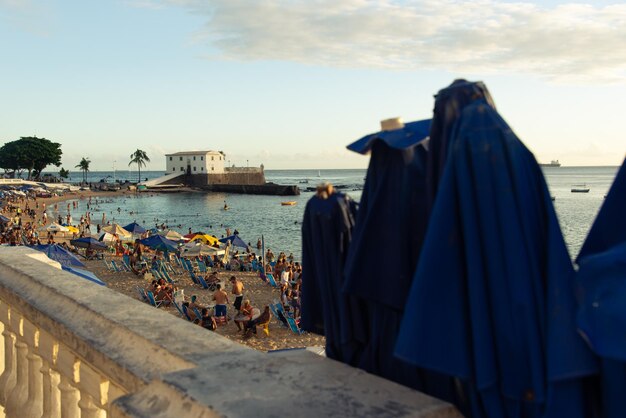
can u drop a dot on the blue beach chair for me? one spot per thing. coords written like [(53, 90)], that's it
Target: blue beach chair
[(152, 300), (270, 279), (293, 326)]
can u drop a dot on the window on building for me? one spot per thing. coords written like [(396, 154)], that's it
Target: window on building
[(201, 168), (170, 158), (201, 158), (181, 158), (212, 168), (194, 168), (194, 158), (212, 158), (182, 169), (173, 168)]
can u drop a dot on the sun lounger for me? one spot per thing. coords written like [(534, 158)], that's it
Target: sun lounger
[(142, 294), (186, 313), (270, 279), (202, 282), (201, 266), (179, 309), (294, 327), (152, 300), (197, 313)]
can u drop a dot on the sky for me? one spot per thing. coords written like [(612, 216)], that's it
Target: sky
[(290, 83)]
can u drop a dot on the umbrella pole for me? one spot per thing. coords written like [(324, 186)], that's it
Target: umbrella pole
[(263, 262)]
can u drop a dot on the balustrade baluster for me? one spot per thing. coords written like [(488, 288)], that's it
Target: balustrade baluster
[(8, 378), (48, 350), (19, 394), (33, 407), (68, 366), (94, 391)]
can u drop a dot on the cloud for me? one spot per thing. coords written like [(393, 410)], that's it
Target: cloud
[(568, 42)]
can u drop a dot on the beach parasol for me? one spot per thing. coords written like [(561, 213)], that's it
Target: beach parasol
[(171, 235), (72, 229), (492, 301), (88, 242), (392, 209), (85, 274), (235, 241), (135, 228), (107, 238), (57, 253), (55, 227), (602, 278), (207, 239), (4, 219), (115, 229), (157, 242)]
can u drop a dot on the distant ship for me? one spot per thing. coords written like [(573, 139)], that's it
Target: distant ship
[(553, 163)]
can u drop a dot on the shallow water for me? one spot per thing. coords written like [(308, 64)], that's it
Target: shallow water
[(254, 215)]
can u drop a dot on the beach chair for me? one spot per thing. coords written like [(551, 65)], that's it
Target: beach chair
[(293, 326), (194, 278), (202, 282), (126, 262), (201, 266), (198, 314), (156, 274), (186, 313), (282, 320), (166, 275), (270, 279), (108, 265), (179, 309), (142, 294), (116, 268), (152, 300)]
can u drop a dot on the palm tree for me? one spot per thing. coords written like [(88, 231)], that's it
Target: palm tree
[(84, 166), (139, 157)]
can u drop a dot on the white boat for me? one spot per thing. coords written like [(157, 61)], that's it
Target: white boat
[(580, 188)]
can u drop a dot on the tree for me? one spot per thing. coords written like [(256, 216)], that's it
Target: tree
[(83, 165), (63, 173), (30, 153), (139, 157)]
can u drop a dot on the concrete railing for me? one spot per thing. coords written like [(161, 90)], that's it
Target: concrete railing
[(74, 349)]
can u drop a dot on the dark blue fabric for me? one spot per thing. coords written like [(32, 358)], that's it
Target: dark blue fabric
[(85, 274), (57, 253), (602, 280), (135, 228), (235, 241), (609, 228), (157, 242), (449, 104), (326, 235), (492, 301), (411, 134), (88, 242)]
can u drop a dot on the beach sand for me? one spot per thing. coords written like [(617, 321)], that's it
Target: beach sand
[(259, 292)]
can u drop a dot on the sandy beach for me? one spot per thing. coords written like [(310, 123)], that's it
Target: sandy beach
[(257, 291)]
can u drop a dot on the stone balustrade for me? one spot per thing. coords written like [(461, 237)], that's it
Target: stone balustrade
[(73, 349)]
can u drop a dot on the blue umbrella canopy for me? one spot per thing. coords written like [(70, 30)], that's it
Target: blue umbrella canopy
[(4, 219), (602, 280), (88, 242), (492, 301), (410, 134), (157, 242), (235, 241), (135, 228), (85, 274), (57, 253)]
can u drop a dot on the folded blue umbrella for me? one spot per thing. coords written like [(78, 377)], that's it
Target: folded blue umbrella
[(492, 301), (602, 280), (88, 242)]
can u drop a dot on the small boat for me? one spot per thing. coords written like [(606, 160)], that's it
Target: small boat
[(289, 203), (553, 198), (553, 163), (580, 188)]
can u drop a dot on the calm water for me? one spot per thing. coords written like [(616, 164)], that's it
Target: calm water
[(255, 215)]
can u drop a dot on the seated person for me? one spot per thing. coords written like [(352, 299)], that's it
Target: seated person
[(194, 303), (212, 280), (262, 319), (190, 313), (207, 321), (245, 314)]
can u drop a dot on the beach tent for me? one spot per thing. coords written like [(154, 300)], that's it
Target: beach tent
[(207, 239), (171, 235), (135, 228), (58, 253), (55, 227), (157, 242), (235, 241), (115, 229), (88, 242), (493, 299), (602, 279)]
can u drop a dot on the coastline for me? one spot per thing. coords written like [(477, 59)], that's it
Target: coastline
[(259, 292)]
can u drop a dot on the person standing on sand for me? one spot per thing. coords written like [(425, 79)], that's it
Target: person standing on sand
[(237, 290), (221, 300)]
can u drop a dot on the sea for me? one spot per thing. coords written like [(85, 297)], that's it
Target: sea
[(254, 216)]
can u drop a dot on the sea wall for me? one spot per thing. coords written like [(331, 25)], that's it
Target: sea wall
[(73, 348), (240, 178), (265, 189)]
